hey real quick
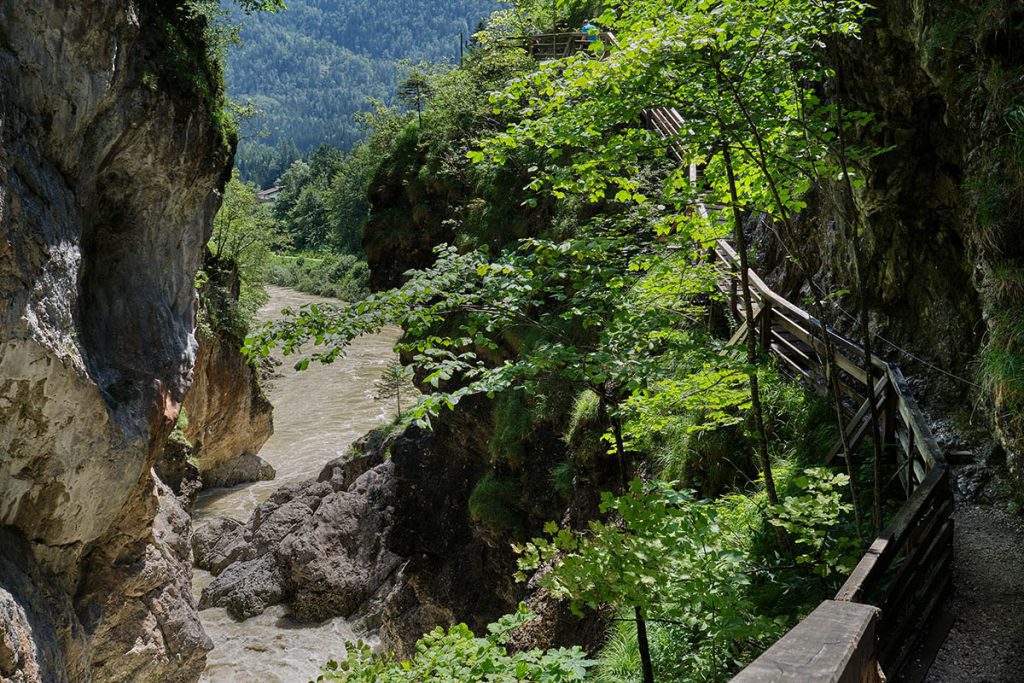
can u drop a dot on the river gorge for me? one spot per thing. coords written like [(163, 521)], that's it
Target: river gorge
[(318, 413)]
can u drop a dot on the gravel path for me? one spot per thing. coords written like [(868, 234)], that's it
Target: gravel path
[(986, 643)]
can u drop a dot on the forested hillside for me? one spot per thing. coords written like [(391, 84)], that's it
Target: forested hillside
[(310, 68)]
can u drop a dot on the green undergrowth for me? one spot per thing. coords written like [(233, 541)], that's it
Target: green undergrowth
[(495, 504), (719, 464), (339, 276)]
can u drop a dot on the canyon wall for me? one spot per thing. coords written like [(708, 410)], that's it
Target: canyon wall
[(931, 242), (111, 157)]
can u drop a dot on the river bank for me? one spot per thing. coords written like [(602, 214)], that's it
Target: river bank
[(317, 414)]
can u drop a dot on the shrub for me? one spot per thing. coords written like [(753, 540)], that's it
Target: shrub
[(458, 655), (340, 276), (494, 504)]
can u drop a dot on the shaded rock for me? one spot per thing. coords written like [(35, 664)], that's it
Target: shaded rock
[(242, 468), (177, 469), (407, 614), (555, 625), (339, 559), (319, 546), (146, 627), (36, 623), (107, 192), (229, 417), (246, 588), (218, 543)]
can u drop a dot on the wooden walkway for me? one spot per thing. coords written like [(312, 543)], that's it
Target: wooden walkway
[(882, 609), (907, 569)]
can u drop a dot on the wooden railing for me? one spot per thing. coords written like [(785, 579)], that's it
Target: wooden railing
[(907, 569), (902, 578), (557, 45)]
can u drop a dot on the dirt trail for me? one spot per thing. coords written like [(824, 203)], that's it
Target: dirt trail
[(986, 642)]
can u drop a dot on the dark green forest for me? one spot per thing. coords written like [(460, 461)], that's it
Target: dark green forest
[(309, 68)]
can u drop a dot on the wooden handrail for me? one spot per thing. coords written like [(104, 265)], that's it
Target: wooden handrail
[(906, 569)]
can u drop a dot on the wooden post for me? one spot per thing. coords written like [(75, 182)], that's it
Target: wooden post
[(734, 294), (891, 409), (766, 326), (908, 470)]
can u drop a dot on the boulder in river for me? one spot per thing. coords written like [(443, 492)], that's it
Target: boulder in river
[(320, 545)]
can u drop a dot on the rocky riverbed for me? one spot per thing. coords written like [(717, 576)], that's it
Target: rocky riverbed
[(318, 414)]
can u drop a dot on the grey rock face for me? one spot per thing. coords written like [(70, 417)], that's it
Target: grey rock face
[(320, 546), (146, 626), (241, 468), (107, 191)]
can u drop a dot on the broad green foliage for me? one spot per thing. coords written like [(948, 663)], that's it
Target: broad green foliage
[(668, 554), (812, 516), (601, 332), (741, 73), (244, 236), (244, 231), (605, 288), (458, 656)]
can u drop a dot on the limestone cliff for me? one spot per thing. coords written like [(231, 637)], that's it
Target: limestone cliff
[(111, 155), (228, 416), (938, 220)]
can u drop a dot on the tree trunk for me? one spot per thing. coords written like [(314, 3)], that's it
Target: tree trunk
[(645, 647), (748, 312)]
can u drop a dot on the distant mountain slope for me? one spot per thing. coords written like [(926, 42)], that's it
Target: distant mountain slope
[(311, 67)]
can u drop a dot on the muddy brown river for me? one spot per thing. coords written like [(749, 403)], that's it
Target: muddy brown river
[(318, 413)]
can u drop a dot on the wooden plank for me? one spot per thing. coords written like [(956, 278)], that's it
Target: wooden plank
[(792, 364), (848, 391), (860, 422), (853, 438), (914, 419), (793, 327), (740, 333), (926, 557), (903, 438), (889, 425), (878, 553), (920, 471), (884, 548), (815, 342), (836, 642), (791, 349), (765, 326), (930, 530), (934, 485), (845, 344), (916, 670), (899, 643)]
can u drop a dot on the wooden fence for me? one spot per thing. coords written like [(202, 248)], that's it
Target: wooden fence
[(903, 577), (907, 569), (543, 46)]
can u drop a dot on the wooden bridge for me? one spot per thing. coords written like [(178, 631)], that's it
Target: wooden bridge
[(866, 632)]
